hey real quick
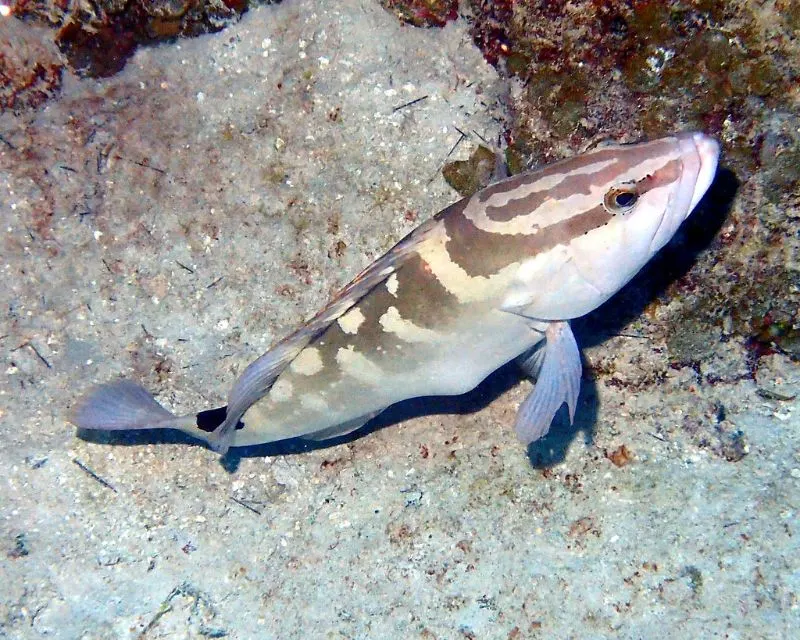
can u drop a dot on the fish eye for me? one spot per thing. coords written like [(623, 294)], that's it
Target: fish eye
[(620, 199)]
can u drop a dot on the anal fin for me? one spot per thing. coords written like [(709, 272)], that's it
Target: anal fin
[(341, 429)]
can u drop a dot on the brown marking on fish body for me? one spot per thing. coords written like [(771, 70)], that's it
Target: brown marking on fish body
[(574, 182), (667, 174), (422, 298), (416, 296), (456, 207), (483, 253), (370, 339), (561, 167), (620, 159)]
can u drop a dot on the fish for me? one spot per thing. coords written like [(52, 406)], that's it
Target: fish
[(494, 277)]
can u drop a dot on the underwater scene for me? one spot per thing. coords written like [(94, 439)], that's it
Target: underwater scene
[(400, 319)]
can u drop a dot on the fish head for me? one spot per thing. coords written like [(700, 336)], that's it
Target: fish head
[(657, 187), (623, 204), (660, 186)]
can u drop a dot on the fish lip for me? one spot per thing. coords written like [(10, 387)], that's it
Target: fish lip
[(706, 149), (699, 155)]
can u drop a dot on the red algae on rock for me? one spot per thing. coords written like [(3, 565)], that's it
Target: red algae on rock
[(30, 67), (422, 13), (96, 39)]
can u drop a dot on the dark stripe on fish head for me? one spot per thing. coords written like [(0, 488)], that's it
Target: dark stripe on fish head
[(483, 253)]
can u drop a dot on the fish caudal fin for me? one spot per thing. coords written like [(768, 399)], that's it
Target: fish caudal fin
[(125, 405)]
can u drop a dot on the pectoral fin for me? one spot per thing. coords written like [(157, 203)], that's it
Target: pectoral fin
[(559, 381), (531, 361)]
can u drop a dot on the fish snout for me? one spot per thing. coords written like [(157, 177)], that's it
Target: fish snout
[(701, 156)]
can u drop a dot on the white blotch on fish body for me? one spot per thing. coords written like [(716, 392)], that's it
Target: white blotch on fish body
[(392, 284), (314, 402), (393, 322), (308, 362), (281, 391), (358, 365), (351, 321)]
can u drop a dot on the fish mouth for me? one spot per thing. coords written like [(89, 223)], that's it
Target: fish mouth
[(699, 155), (703, 152)]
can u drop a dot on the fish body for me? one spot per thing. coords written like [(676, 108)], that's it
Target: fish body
[(493, 277)]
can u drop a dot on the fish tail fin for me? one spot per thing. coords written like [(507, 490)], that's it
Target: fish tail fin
[(125, 405)]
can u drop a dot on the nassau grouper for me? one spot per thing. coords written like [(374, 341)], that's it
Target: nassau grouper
[(493, 277)]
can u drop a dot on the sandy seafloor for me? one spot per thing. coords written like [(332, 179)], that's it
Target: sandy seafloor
[(170, 223)]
